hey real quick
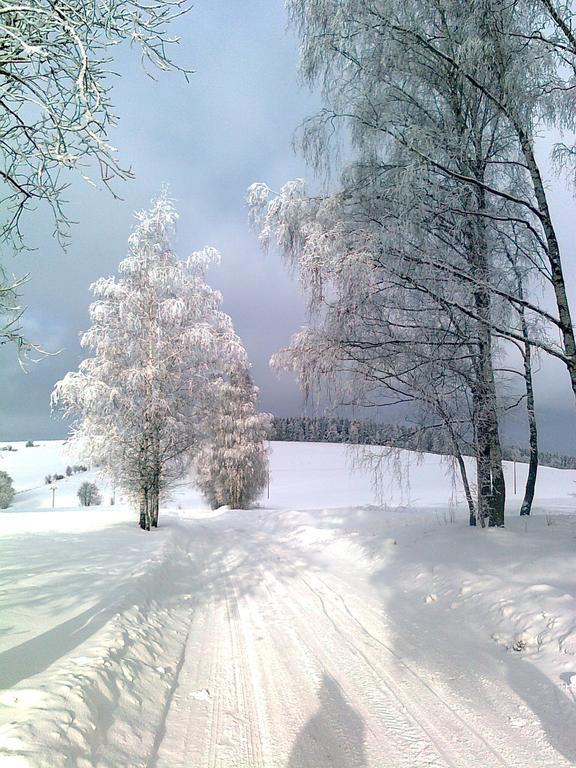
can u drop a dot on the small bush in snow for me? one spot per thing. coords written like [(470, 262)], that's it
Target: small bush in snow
[(89, 495), (58, 477), (232, 466), (6, 490), (68, 471), (30, 444), (48, 479)]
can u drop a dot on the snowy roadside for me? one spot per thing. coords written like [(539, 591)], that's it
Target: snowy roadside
[(487, 619), (93, 619), (514, 588), (97, 681)]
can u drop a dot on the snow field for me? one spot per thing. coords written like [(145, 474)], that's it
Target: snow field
[(303, 634)]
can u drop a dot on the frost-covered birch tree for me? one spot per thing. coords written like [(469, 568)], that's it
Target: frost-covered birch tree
[(441, 208), (441, 190), (517, 60), (160, 347), (231, 467)]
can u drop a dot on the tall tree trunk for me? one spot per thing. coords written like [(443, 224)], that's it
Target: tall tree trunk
[(155, 501), (491, 446), (145, 510), (497, 470), (466, 484), (553, 253), (526, 507), (493, 482), (483, 473)]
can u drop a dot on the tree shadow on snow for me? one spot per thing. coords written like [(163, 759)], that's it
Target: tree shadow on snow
[(555, 711), (108, 572), (436, 637)]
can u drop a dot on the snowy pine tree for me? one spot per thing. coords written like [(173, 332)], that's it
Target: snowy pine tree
[(160, 345), (232, 466)]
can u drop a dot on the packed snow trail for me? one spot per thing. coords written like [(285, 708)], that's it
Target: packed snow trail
[(291, 662)]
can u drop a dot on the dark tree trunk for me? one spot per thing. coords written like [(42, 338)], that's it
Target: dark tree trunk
[(554, 258), (526, 507), (155, 505), (466, 484), (491, 485), (145, 510), (483, 475)]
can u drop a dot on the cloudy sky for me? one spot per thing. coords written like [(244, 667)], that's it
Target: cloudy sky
[(232, 124)]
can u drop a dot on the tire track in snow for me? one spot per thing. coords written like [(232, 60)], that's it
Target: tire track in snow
[(397, 735), (245, 703), (213, 718), (402, 702), (492, 730), (411, 710), (260, 645), (466, 726)]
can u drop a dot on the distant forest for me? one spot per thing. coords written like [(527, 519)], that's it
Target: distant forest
[(327, 429)]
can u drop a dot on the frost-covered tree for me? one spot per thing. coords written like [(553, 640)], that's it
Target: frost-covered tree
[(160, 346), (411, 266), (56, 108), (516, 61), (405, 267), (89, 495), (231, 467), (6, 490)]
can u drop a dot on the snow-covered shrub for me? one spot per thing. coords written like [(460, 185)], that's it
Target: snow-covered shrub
[(89, 495), (6, 490), (232, 465)]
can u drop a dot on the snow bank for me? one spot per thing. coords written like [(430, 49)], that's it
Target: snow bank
[(91, 616)]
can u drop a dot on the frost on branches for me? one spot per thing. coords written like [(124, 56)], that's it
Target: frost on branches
[(232, 466), (424, 254), (160, 348)]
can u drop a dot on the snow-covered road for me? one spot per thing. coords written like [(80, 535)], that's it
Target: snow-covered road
[(292, 661), (319, 631)]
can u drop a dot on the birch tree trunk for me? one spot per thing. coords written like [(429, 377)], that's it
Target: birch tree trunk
[(145, 510), (466, 484), (526, 507)]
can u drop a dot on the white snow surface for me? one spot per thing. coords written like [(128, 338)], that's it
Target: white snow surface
[(327, 628)]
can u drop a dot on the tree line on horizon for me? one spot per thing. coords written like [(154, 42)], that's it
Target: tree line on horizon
[(340, 429)]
